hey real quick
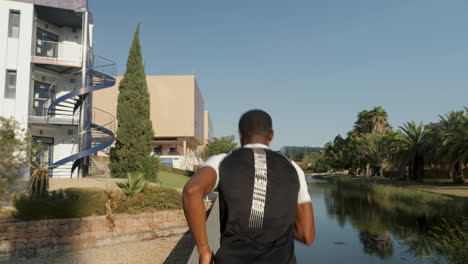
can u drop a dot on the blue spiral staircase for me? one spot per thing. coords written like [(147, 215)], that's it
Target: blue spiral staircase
[(98, 137)]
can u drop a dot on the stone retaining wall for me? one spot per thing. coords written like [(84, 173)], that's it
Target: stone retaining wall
[(49, 237)]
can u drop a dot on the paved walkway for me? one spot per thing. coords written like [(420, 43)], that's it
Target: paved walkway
[(145, 252)]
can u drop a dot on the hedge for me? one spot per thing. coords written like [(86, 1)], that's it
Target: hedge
[(81, 202), (177, 171), (68, 203), (150, 199)]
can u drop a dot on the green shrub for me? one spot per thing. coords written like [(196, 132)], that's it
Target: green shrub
[(177, 171), (81, 202), (38, 186), (152, 198), (68, 203), (136, 183)]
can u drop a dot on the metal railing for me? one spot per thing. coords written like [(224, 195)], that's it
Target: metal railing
[(60, 51)]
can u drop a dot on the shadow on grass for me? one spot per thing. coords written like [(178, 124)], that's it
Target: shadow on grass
[(182, 251)]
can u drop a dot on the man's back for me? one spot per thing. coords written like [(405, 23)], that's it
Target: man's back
[(263, 198), (258, 192)]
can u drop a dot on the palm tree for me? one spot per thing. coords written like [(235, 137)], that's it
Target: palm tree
[(363, 123), (453, 142), (379, 120), (413, 145), (373, 121)]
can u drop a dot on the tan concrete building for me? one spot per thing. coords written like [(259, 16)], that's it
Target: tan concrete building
[(180, 122), (208, 128)]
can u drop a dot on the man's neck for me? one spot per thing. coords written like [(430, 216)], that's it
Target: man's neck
[(263, 142)]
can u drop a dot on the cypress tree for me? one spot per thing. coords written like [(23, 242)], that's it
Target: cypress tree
[(132, 151)]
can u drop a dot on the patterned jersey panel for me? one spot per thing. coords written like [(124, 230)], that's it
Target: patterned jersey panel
[(258, 196)]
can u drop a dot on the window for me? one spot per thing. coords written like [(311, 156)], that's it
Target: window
[(13, 31), (172, 149), (10, 89), (158, 150)]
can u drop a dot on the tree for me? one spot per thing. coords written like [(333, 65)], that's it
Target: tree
[(379, 120), (373, 121), (132, 151), (413, 144), (377, 150), (449, 140), (218, 146), (15, 148), (310, 159)]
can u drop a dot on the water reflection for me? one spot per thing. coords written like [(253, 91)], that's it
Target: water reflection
[(356, 228), (380, 245)]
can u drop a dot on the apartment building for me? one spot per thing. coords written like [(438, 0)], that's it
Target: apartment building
[(181, 123), (48, 72)]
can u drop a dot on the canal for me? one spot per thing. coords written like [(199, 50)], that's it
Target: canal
[(354, 228)]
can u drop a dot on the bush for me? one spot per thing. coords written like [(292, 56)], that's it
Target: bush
[(14, 147), (81, 202), (136, 183), (152, 198), (68, 203), (177, 171)]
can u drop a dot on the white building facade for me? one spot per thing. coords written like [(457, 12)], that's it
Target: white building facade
[(48, 73)]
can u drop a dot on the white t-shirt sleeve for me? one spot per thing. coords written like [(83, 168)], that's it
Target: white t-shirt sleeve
[(303, 195), (214, 162)]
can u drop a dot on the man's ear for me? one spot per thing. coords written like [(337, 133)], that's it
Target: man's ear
[(240, 136), (272, 135)]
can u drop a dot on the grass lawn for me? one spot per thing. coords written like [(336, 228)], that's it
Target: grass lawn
[(169, 179)]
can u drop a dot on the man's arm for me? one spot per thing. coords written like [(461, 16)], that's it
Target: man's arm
[(194, 208), (305, 226)]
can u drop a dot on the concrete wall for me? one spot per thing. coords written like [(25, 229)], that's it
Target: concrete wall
[(208, 128), (173, 105), (177, 107), (63, 84), (15, 55), (69, 47), (54, 237), (64, 145)]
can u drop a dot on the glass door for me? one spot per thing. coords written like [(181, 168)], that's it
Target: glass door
[(46, 44), (46, 154), (42, 97)]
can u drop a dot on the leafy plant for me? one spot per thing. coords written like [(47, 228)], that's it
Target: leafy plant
[(15, 145), (136, 184), (218, 146), (38, 186), (153, 198)]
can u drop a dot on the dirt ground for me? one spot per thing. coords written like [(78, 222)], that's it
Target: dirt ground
[(169, 250)]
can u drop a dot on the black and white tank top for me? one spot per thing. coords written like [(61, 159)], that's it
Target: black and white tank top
[(259, 191)]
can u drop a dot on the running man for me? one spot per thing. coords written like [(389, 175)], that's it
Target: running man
[(263, 200)]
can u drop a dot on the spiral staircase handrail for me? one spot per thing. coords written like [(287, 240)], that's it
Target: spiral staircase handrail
[(98, 80)]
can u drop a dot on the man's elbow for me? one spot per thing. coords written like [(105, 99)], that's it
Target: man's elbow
[(191, 191), (309, 240)]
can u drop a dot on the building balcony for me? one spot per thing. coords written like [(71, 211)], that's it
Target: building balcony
[(67, 54), (39, 115)]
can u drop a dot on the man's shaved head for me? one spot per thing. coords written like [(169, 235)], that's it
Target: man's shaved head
[(255, 123)]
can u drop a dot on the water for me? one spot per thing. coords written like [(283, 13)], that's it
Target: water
[(357, 230)]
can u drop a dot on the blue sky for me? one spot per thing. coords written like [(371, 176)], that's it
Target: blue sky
[(311, 64)]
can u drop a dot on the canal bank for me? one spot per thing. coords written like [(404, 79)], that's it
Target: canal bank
[(441, 187), (357, 225)]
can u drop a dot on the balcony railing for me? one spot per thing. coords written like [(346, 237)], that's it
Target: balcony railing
[(67, 53)]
